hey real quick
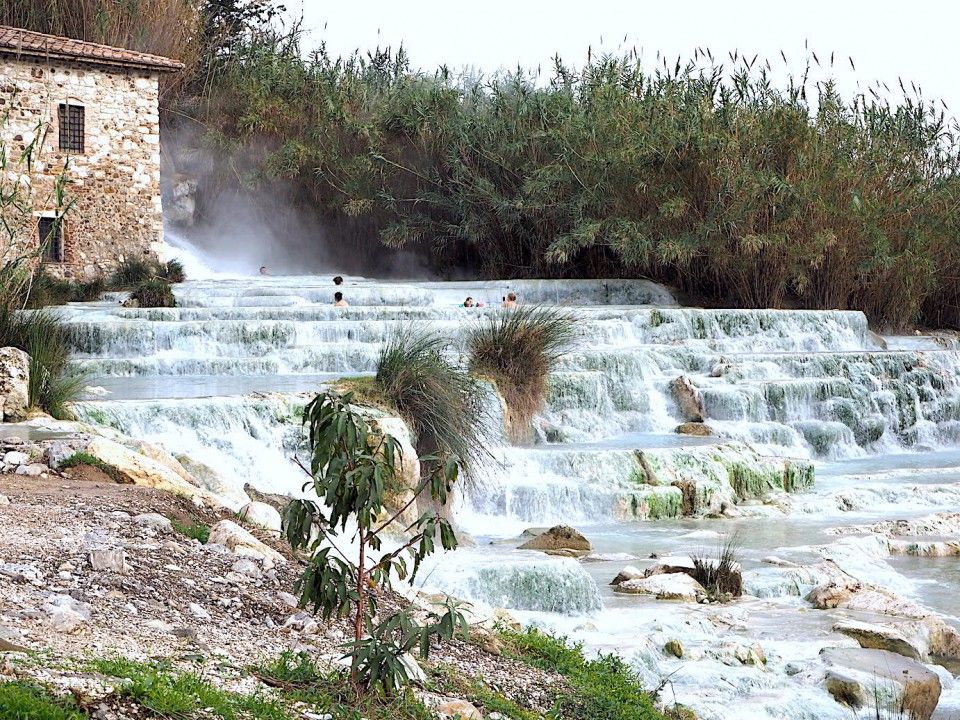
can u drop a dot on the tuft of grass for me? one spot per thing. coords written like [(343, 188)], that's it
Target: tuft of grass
[(517, 349), (131, 272), (439, 400), (25, 701), (154, 293), (39, 333), (720, 575), (84, 458), (605, 687), (166, 694), (198, 531), (329, 691)]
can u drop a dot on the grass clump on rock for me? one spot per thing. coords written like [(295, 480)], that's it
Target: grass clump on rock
[(40, 334), (721, 575), (154, 293), (517, 349), (437, 398)]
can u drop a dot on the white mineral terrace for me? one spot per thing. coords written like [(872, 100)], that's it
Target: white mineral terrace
[(220, 380)]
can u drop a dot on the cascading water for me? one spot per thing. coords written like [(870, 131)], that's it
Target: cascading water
[(220, 380)]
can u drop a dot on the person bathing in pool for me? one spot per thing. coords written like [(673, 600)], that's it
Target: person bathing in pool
[(338, 300)]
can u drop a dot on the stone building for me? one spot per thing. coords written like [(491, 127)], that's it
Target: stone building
[(94, 108)]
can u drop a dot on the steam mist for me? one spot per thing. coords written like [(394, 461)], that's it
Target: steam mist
[(230, 227)]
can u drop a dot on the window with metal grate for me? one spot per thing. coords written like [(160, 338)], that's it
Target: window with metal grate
[(51, 236), (71, 127)]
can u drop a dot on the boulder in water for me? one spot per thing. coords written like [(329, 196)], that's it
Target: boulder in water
[(629, 572), (897, 683), (880, 637), (673, 586), (689, 399), (697, 429), (14, 384), (559, 537)]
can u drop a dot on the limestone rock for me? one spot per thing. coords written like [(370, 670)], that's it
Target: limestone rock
[(895, 680), (833, 593), (697, 429), (199, 612), (15, 458), (458, 710), (880, 637), (153, 522), (136, 469), (672, 586), (247, 567), (32, 470), (560, 537), (14, 384), (241, 542), (629, 572), (263, 515), (689, 399), (673, 647), (109, 561)]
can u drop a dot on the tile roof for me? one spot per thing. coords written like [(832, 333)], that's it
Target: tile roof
[(16, 41)]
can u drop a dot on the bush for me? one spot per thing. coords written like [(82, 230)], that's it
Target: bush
[(131, 272), (154, 293), (172, 271), (88, 290), (39, 333), (517, 349), (439, 400)]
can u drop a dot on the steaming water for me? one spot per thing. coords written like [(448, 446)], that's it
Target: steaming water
[(220, 381)]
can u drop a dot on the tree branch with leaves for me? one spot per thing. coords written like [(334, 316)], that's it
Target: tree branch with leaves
[(352, 465)]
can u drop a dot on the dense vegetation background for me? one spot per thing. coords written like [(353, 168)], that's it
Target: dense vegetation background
[(707, 176)]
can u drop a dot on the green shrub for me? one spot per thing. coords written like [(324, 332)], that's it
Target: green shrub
[(24, 701), (39, 333), (439, 400), (172, 271), (517, 349), (198, 531), (88, 290), (132, 272), (154, 293)]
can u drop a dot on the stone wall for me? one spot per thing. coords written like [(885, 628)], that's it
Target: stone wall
[(114, 183)]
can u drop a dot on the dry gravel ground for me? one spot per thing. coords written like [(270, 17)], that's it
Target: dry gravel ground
[(88, 569)]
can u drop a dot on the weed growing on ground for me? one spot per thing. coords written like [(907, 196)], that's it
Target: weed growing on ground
[(24, 701), (83, 458), (198, 531)]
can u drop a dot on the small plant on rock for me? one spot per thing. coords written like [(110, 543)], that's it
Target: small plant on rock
[(721, 575), (154, 293), (351, 465)]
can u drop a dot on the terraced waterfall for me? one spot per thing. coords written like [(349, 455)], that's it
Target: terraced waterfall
[(817, 424)]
